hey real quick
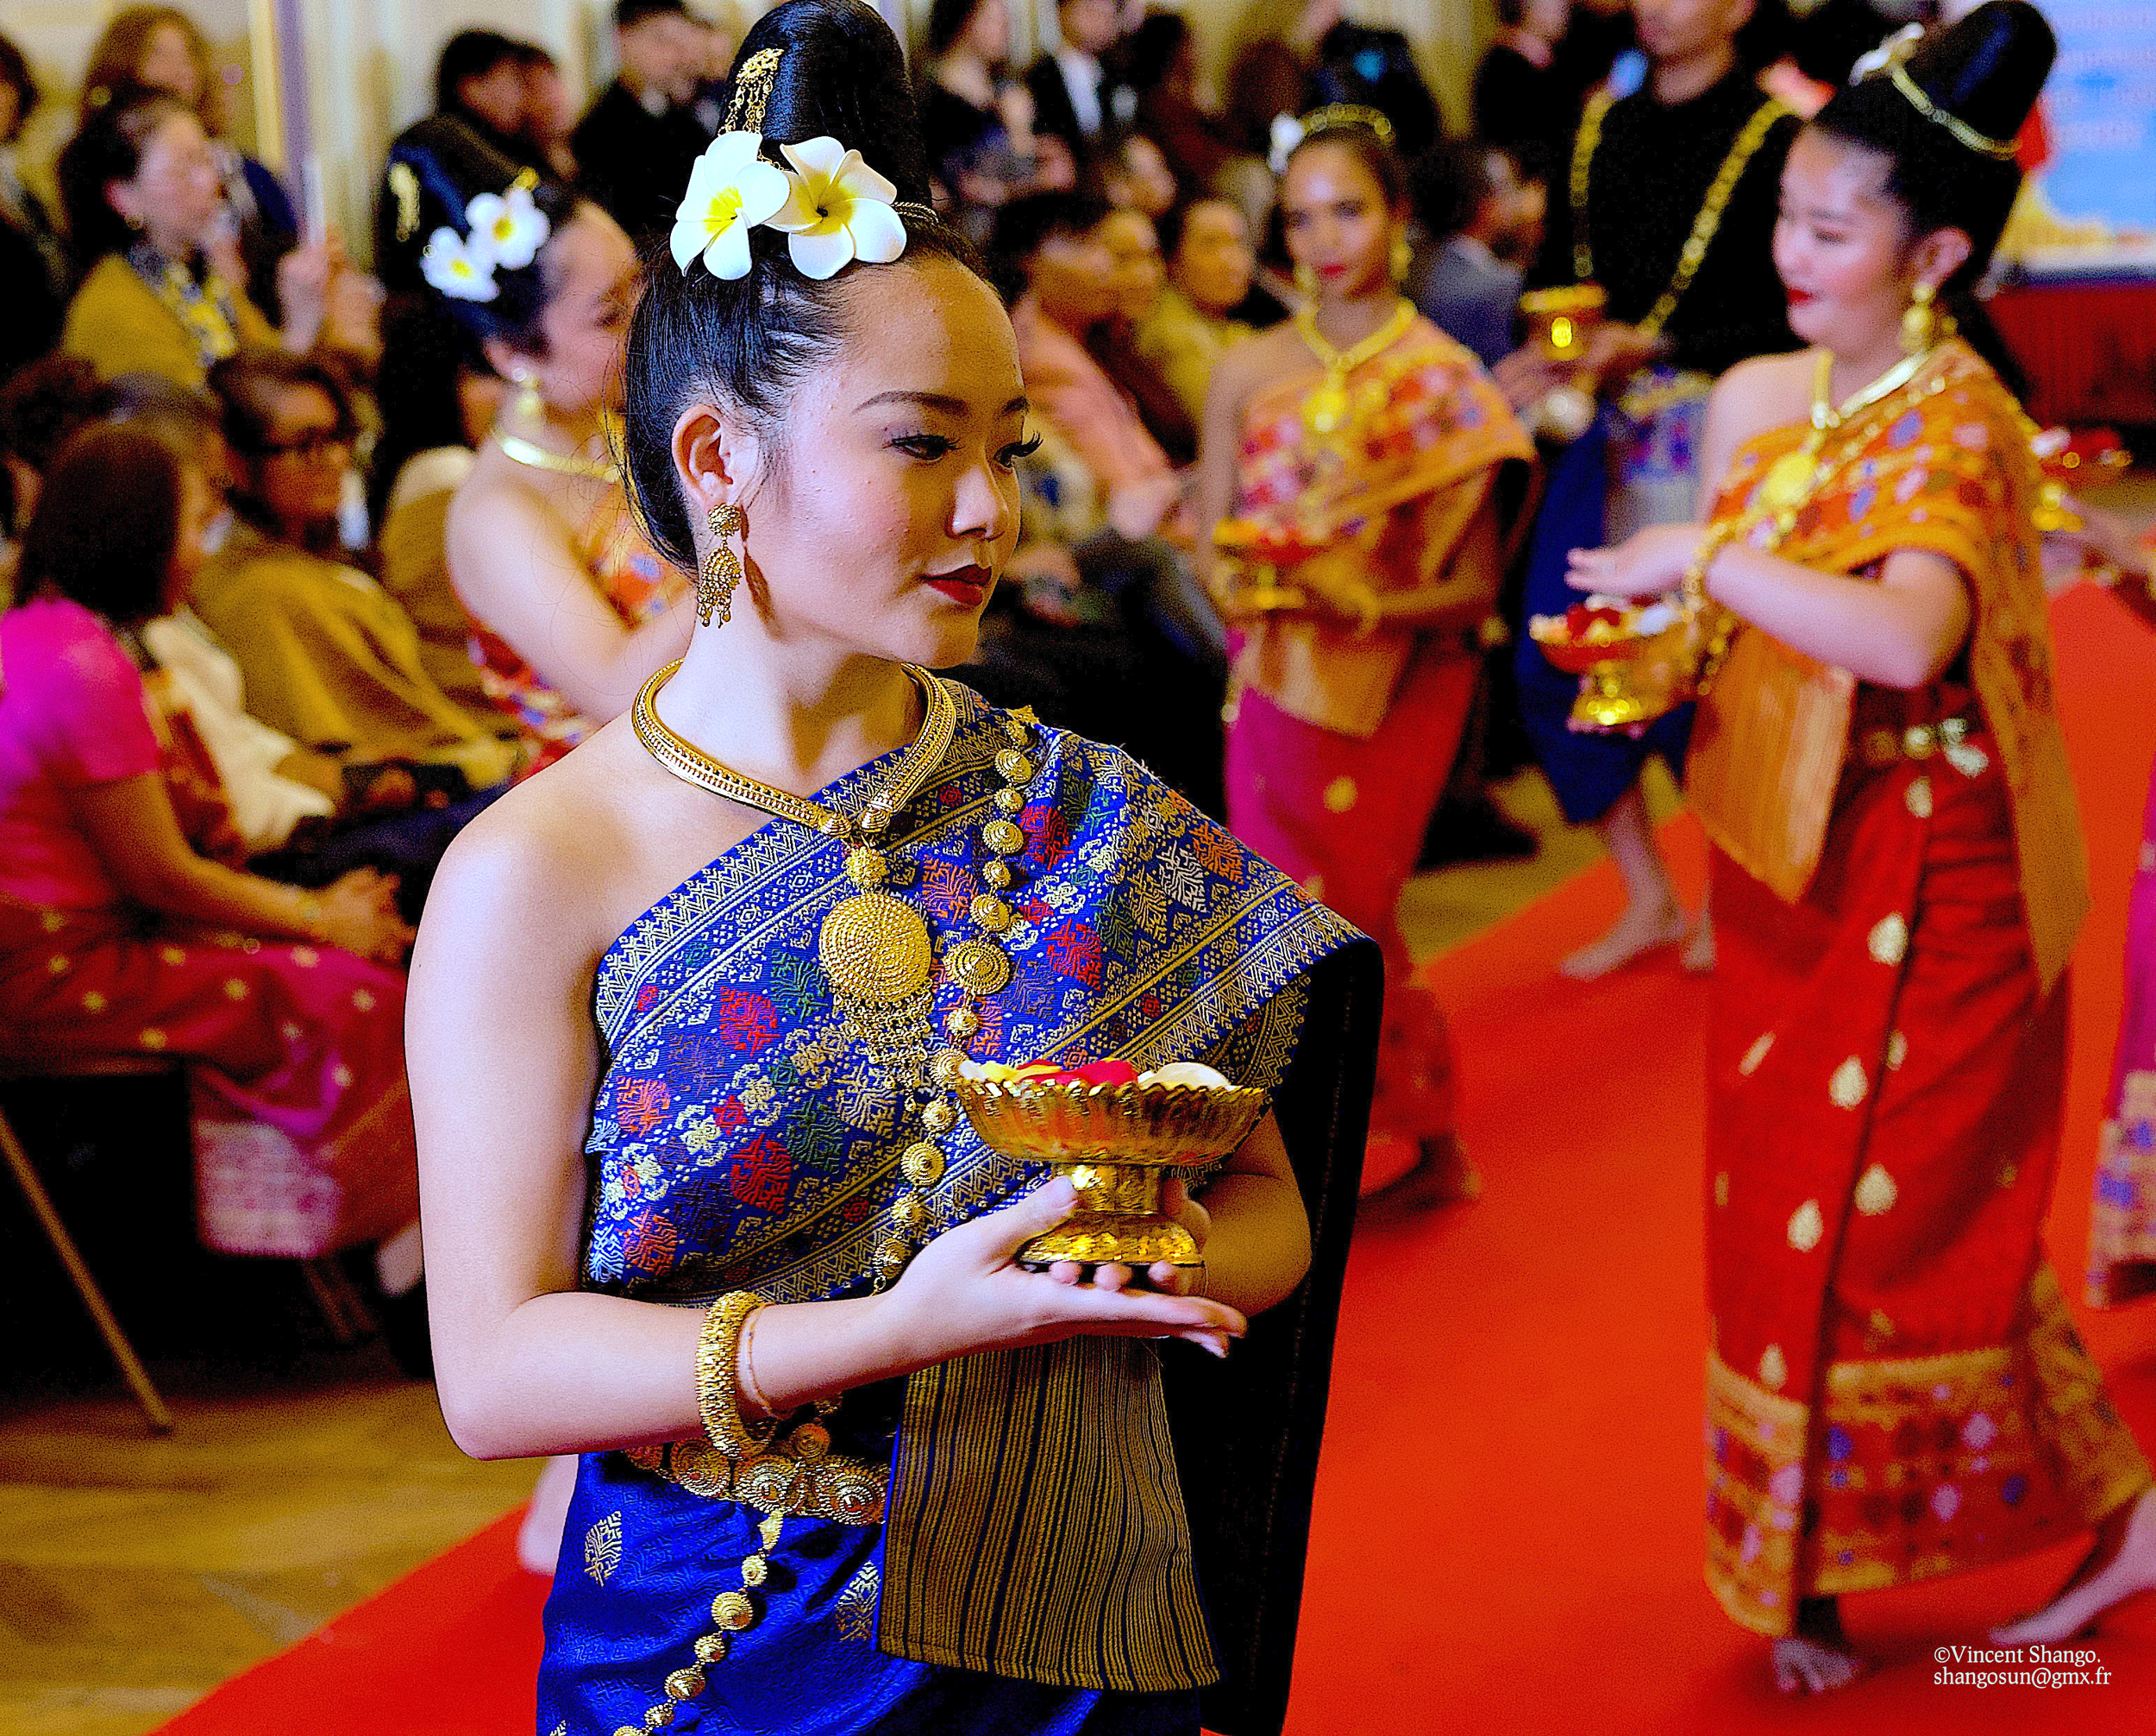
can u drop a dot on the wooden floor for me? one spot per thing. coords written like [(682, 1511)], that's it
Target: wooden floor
[(136, 1573)]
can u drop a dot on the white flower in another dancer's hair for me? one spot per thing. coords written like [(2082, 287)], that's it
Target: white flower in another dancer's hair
[(458, 268), (838, 210), (514, 228), (731, 189)]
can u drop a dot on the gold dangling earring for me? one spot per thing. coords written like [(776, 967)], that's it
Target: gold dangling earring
[(1307, 282), (1402, 256), (529, 406), (720, 571), (1920, 324)]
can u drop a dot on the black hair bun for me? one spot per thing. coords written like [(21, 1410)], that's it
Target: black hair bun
[(841, 75), (1987, 68)]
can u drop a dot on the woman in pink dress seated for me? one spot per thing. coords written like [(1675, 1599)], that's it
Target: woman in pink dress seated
[(127, 927)]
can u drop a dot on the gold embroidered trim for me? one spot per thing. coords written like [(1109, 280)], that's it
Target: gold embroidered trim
[(1755, 1480)]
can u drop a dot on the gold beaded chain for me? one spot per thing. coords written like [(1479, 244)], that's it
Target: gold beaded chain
[(1704, 226), (875, 947)]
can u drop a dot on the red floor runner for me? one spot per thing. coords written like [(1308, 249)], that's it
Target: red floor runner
[(1507, 1534)]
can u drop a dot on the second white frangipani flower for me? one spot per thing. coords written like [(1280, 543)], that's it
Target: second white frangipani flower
[(464, 271), (837, 209), (513, 228), (731, 189)]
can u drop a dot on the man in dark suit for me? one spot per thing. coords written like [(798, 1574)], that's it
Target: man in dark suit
[(1076, 93), (636, 143)]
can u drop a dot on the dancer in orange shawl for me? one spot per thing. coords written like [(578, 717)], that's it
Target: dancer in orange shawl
[(1355, 447), (1895, 1390)]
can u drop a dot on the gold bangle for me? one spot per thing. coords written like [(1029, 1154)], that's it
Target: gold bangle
[(745, 1359), (1692, 586), (718, 1377), (310, 916)]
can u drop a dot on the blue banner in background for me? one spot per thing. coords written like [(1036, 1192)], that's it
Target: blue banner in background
[(2101, 107)]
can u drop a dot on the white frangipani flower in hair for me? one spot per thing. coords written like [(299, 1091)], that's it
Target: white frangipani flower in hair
[(464, 271), (513, 227), (837, 209), (731, 189)]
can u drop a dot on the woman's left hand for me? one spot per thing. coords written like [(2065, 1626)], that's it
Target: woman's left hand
[(1646, 564), (1169, 1281)]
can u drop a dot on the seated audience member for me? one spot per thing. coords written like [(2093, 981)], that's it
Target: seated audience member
[(637, 142), (41, 406), (436, 407), (1454, 277), (161, 49), (1068, 288), (144, 204), (482, 106), (1208, 245), (328, 656), (977, 122), (127, 927), (35, 275), (1138, 277), (1077, 96), (1103, 633), (1162, 56), (549, 112), (1524, 99), (272, 786), (1135, 176), (571, 608)]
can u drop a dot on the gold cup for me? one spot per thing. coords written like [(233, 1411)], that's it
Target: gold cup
[(1560, 321), (1116, 1143)]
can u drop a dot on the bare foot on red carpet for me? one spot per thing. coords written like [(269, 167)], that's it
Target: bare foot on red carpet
[(1640, 929), (2121, 1565), (1817, 1658)]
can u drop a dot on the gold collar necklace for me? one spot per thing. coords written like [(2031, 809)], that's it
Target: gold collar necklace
[(1327, 408), (875, 947), (519, 450), (1827, 416)]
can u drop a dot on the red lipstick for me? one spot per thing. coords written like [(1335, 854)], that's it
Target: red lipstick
[(1798, 297), (967, 586)]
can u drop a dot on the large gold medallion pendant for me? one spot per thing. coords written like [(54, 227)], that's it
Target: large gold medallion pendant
[(1787, 480), (875, 947)]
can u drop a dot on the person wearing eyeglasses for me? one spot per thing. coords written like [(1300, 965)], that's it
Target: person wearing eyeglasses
[(327, 655)]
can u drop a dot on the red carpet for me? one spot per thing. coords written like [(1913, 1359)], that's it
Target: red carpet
[(1507, 1534)]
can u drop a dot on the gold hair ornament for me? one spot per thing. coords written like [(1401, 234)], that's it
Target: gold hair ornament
[(1339, 118), (1999, 150), (752, 91)]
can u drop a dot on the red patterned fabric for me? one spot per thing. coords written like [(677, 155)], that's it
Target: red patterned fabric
[(1895, 1391)]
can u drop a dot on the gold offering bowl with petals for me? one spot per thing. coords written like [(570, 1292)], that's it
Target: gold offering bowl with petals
[(1116, 1143), (1630, 676)]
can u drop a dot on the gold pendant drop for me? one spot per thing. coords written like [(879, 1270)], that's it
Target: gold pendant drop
[(875, 947), (1787, 480)]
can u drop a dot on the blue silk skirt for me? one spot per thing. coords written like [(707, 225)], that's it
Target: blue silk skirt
[(641, 1560)]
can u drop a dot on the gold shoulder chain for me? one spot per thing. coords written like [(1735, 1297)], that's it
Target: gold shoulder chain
[(1704, 226)]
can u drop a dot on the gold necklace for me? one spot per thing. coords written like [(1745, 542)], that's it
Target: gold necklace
[(519, 450), (1704, 226), (1326, 409), (874, 946), (1793, 477)]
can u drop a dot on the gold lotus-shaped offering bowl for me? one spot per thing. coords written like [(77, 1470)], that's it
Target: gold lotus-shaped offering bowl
[(1635, 661), (1116, 1143)]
